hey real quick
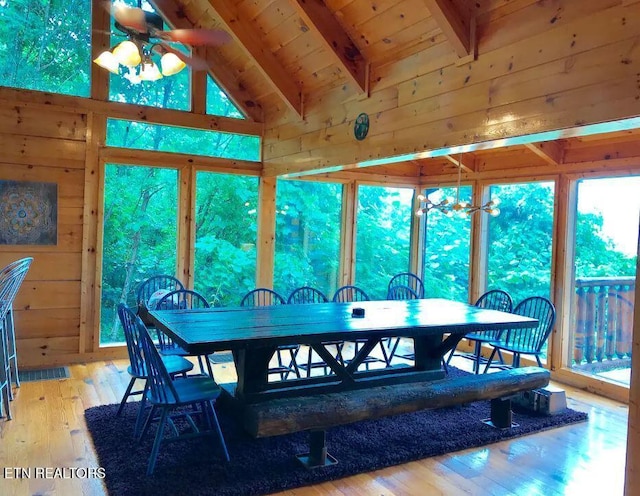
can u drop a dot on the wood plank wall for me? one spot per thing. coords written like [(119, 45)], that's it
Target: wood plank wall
[(540, 66), (47, 147)]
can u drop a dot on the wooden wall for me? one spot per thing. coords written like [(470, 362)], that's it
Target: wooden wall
[(47, 147), (545, 66)]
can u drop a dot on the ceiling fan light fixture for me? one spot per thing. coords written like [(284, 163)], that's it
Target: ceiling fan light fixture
[(127, 53), (171, 64), (132, 76), (107, 61), (149, 72)]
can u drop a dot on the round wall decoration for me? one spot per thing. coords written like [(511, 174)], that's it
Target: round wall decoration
[(361, 126)]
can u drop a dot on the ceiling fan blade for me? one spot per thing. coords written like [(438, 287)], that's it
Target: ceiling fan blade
[(196, 63), (196, 37), (130, 17)]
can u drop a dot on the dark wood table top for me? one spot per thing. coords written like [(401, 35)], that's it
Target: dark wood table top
[(234, 328)]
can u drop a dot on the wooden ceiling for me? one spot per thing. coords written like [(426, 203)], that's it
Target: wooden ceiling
[(289, 56), (285, 51)]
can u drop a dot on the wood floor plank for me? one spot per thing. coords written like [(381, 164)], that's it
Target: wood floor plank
[(48, 430)]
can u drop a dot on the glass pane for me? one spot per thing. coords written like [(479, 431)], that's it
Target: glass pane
[(46, 46), (605, 268), (169, 92), (383, 237), (139, 236), (225, 241), (144, 136), (308, 217), (519, 254), (218, 102), (447, 248)]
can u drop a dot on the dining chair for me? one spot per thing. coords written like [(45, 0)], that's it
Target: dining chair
[(351, 293), (264, 297), (308, 294), (526, 341), (138, 369), (149, 286), (495, 299), (410, 280), (400, 292), (183, 299), (166, 395)]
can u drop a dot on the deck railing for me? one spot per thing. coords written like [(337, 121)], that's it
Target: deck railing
[(603, 319)]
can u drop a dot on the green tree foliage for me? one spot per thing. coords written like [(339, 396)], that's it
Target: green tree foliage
[(226, 231), (447, 250), (307, 236), (383, 236), (45, 45), (140, 235)]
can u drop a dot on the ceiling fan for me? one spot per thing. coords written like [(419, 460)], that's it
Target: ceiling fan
[(146, 36)]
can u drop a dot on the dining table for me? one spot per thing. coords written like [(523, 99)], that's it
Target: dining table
[(253, 334)]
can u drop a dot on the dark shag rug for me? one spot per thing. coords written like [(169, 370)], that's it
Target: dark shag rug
[(262, 466)]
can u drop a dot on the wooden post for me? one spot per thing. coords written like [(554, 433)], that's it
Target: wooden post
[(632, 473), (348, 233), (266, 231)]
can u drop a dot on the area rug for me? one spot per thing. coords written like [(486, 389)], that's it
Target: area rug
[(263, 466)]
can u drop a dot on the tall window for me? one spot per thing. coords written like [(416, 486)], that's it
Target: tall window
[(307, 236), (383, 236), (520, 240), (225, 238), (139, 236), (606, 247), (447, 248), (46, 46)]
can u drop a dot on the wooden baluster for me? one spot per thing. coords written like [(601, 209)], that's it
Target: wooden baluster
[(589, 320), (612, 320), (600, 323), (578, 333)]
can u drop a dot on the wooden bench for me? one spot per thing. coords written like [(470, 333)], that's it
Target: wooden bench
[(316, 413)]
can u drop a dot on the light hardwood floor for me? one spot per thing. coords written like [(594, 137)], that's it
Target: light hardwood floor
[(48, 430)]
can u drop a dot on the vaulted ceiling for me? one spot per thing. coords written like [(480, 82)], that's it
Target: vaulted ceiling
[(458, 72), (286, 50)]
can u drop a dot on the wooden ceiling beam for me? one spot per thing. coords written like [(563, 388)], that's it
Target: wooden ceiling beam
[(457, 26), (259, 52), (175, 16), (467, 165), (316, 14), (551, 152)]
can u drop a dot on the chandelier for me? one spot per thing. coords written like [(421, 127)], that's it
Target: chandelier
[(449, 207), (132, 59)]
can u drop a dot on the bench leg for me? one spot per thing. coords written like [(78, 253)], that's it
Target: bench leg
[(501, 416), (317, 456)]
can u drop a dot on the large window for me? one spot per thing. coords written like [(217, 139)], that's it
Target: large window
[(145, 136), (606, 246), (139, 236), (520, 240), (46, 45), (447, 248), (225, 237), (383, 236), (218, 102), (307, 236)]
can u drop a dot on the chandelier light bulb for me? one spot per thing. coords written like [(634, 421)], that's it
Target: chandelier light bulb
[(127, 53), (107, 61), (171, 64), (150, 72)]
